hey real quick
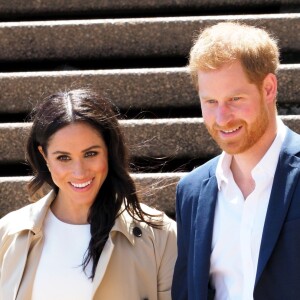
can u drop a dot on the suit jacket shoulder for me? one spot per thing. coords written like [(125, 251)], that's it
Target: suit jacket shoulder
[(190, 184), (291, 142)]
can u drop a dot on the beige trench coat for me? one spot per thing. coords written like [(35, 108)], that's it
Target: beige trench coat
[(132, 267)]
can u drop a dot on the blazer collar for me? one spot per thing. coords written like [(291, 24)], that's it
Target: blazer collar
[(285, 181)]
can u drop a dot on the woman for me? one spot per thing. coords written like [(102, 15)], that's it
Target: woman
[(89, 238)]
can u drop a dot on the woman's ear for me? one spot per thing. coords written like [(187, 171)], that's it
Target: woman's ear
[(43, 153)]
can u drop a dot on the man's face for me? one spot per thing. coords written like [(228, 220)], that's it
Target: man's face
[(234, 110)]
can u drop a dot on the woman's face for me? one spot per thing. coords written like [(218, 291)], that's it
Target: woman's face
[(77, 159)]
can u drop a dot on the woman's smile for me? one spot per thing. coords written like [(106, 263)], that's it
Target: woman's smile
[(78, 161)]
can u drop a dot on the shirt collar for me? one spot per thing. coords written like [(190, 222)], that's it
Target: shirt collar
[(269, 161), (266, 164), (223, 169)]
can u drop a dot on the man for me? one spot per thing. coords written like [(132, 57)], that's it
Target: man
[(238, 215)]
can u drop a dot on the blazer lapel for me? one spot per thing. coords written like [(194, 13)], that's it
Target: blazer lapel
[(285, 180), (203, 236)]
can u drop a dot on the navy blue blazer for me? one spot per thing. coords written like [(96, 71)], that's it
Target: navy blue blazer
[(278, 270)]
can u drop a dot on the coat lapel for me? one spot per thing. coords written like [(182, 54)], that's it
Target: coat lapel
[(123, 224), (25, 289), (285, 181), (13, 268), (102, 264), (203, 236), (19, 263)]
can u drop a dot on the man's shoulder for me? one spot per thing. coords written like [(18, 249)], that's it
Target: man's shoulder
[(200, 173), (190, 185), (291, 143)]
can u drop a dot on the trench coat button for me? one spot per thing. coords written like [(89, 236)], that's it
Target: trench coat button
[(137, 231)]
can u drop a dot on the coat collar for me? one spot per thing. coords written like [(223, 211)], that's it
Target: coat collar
[(32, 217), (124, 224), (285, 181)]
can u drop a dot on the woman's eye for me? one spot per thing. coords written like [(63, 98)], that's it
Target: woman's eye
[(91, 153), (63, 158)]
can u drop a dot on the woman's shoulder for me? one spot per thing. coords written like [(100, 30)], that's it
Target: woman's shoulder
[(14, 217), (157, 222), (27, 217), (162, 232), (13, 222), (156, 216)]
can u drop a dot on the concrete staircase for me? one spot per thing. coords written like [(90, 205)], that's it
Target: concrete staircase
[(135, 53)]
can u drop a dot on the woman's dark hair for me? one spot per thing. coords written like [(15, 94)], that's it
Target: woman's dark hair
[(62, 109)]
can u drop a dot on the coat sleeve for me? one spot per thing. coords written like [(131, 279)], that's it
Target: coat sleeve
[(180, 284), (167, 262)]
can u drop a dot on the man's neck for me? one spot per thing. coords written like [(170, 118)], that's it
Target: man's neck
[(242, 164), (241, 171)]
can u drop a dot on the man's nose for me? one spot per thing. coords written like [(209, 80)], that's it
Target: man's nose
[(224, 114)]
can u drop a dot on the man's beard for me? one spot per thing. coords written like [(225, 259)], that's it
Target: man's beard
[(250, 136)]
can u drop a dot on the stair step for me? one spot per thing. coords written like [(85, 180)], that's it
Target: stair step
[(143, 45), (123, 38), (75, 8), (157, 190), (135, 89), (180, 138)]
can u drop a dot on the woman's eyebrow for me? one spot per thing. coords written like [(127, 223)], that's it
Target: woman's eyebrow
[(87, 149)]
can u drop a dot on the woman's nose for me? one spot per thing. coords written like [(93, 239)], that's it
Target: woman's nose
[(79, 170)]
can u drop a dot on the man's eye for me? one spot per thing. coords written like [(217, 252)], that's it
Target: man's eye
[(236, 98), (91, 153), (211, 101), (63, 158)]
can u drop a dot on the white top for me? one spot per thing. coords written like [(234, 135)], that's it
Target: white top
[(238, 224), (59, 274)]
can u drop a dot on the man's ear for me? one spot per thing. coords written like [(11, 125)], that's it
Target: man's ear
[(269, 87)]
